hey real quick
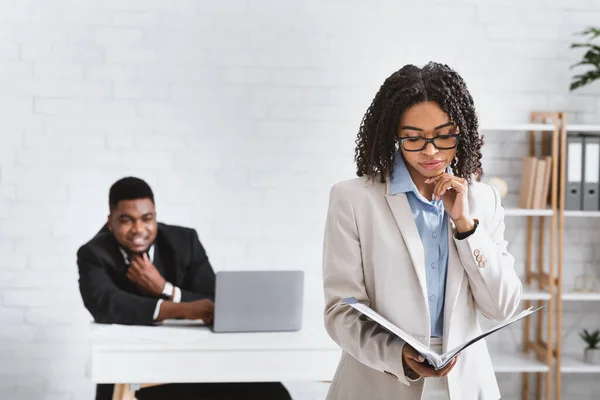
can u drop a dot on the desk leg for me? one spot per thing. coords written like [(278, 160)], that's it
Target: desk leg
[(122, 392)]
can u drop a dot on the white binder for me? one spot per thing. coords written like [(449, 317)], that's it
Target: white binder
[(591, 173), (574, 182)]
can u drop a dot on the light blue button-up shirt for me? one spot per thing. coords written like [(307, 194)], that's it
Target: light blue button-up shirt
[(432, 223)]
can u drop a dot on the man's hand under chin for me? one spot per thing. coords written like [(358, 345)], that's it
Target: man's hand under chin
[(145, 275)]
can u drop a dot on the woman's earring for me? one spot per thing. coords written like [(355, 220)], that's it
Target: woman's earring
[(454, 162), (397, 145)]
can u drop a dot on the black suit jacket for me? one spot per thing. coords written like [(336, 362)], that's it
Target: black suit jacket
[(111, 298)]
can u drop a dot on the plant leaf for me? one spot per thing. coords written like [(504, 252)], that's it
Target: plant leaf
[(592, 59), (593, 32), (577, 45), (584, 79)]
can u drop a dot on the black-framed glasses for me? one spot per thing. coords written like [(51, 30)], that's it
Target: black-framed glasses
[(441, 142)]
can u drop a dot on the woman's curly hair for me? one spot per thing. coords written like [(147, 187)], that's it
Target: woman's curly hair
[(376, 140)]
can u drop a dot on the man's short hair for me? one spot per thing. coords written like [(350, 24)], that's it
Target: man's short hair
[(129, 188)]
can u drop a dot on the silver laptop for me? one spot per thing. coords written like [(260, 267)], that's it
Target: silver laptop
[(258, 301)]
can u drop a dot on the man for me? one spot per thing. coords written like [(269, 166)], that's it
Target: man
[(136, 271)]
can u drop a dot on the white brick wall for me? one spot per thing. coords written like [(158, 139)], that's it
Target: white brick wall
[(240, 114)]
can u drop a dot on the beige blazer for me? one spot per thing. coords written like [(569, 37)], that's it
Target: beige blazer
[(373, 251)]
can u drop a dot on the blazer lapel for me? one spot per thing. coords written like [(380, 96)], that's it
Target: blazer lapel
[(168, 257), (454, 281), (408, 228), (116, 255)]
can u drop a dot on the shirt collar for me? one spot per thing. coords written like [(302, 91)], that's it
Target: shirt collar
[(401, 179), (126, 255)]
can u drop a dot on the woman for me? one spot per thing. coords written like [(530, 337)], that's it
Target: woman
[(420, 242)]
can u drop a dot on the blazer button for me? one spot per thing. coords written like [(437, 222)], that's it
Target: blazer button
[(481, 264), (476, 252), (479, 258)]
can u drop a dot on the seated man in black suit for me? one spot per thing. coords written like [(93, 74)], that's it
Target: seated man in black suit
[(136, 271)]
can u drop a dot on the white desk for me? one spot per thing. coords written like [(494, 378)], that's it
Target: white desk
[(148, 355), (136, 355)]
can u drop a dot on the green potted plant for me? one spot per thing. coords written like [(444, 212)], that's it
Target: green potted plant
[(592, 352), (591, 58)]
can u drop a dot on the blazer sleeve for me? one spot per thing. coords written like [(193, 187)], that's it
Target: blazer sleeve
[(105, 300), (199, 278), (490, 269), (363, 339)]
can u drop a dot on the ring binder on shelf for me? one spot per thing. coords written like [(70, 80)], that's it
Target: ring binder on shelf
[(591, 173), (573, 187)]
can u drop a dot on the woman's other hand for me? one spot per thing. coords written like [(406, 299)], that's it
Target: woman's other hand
[(415, 361)]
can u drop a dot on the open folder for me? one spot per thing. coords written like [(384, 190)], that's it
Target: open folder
[(437, 361)]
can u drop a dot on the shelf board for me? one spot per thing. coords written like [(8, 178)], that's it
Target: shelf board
[(530, 293), (530, 212), (569, 295), (517, 127), (589, 128), (505, 362), (570, 128), (580, 214), (573, 363)]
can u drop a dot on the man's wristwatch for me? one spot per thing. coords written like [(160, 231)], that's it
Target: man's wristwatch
[(167, 291)]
